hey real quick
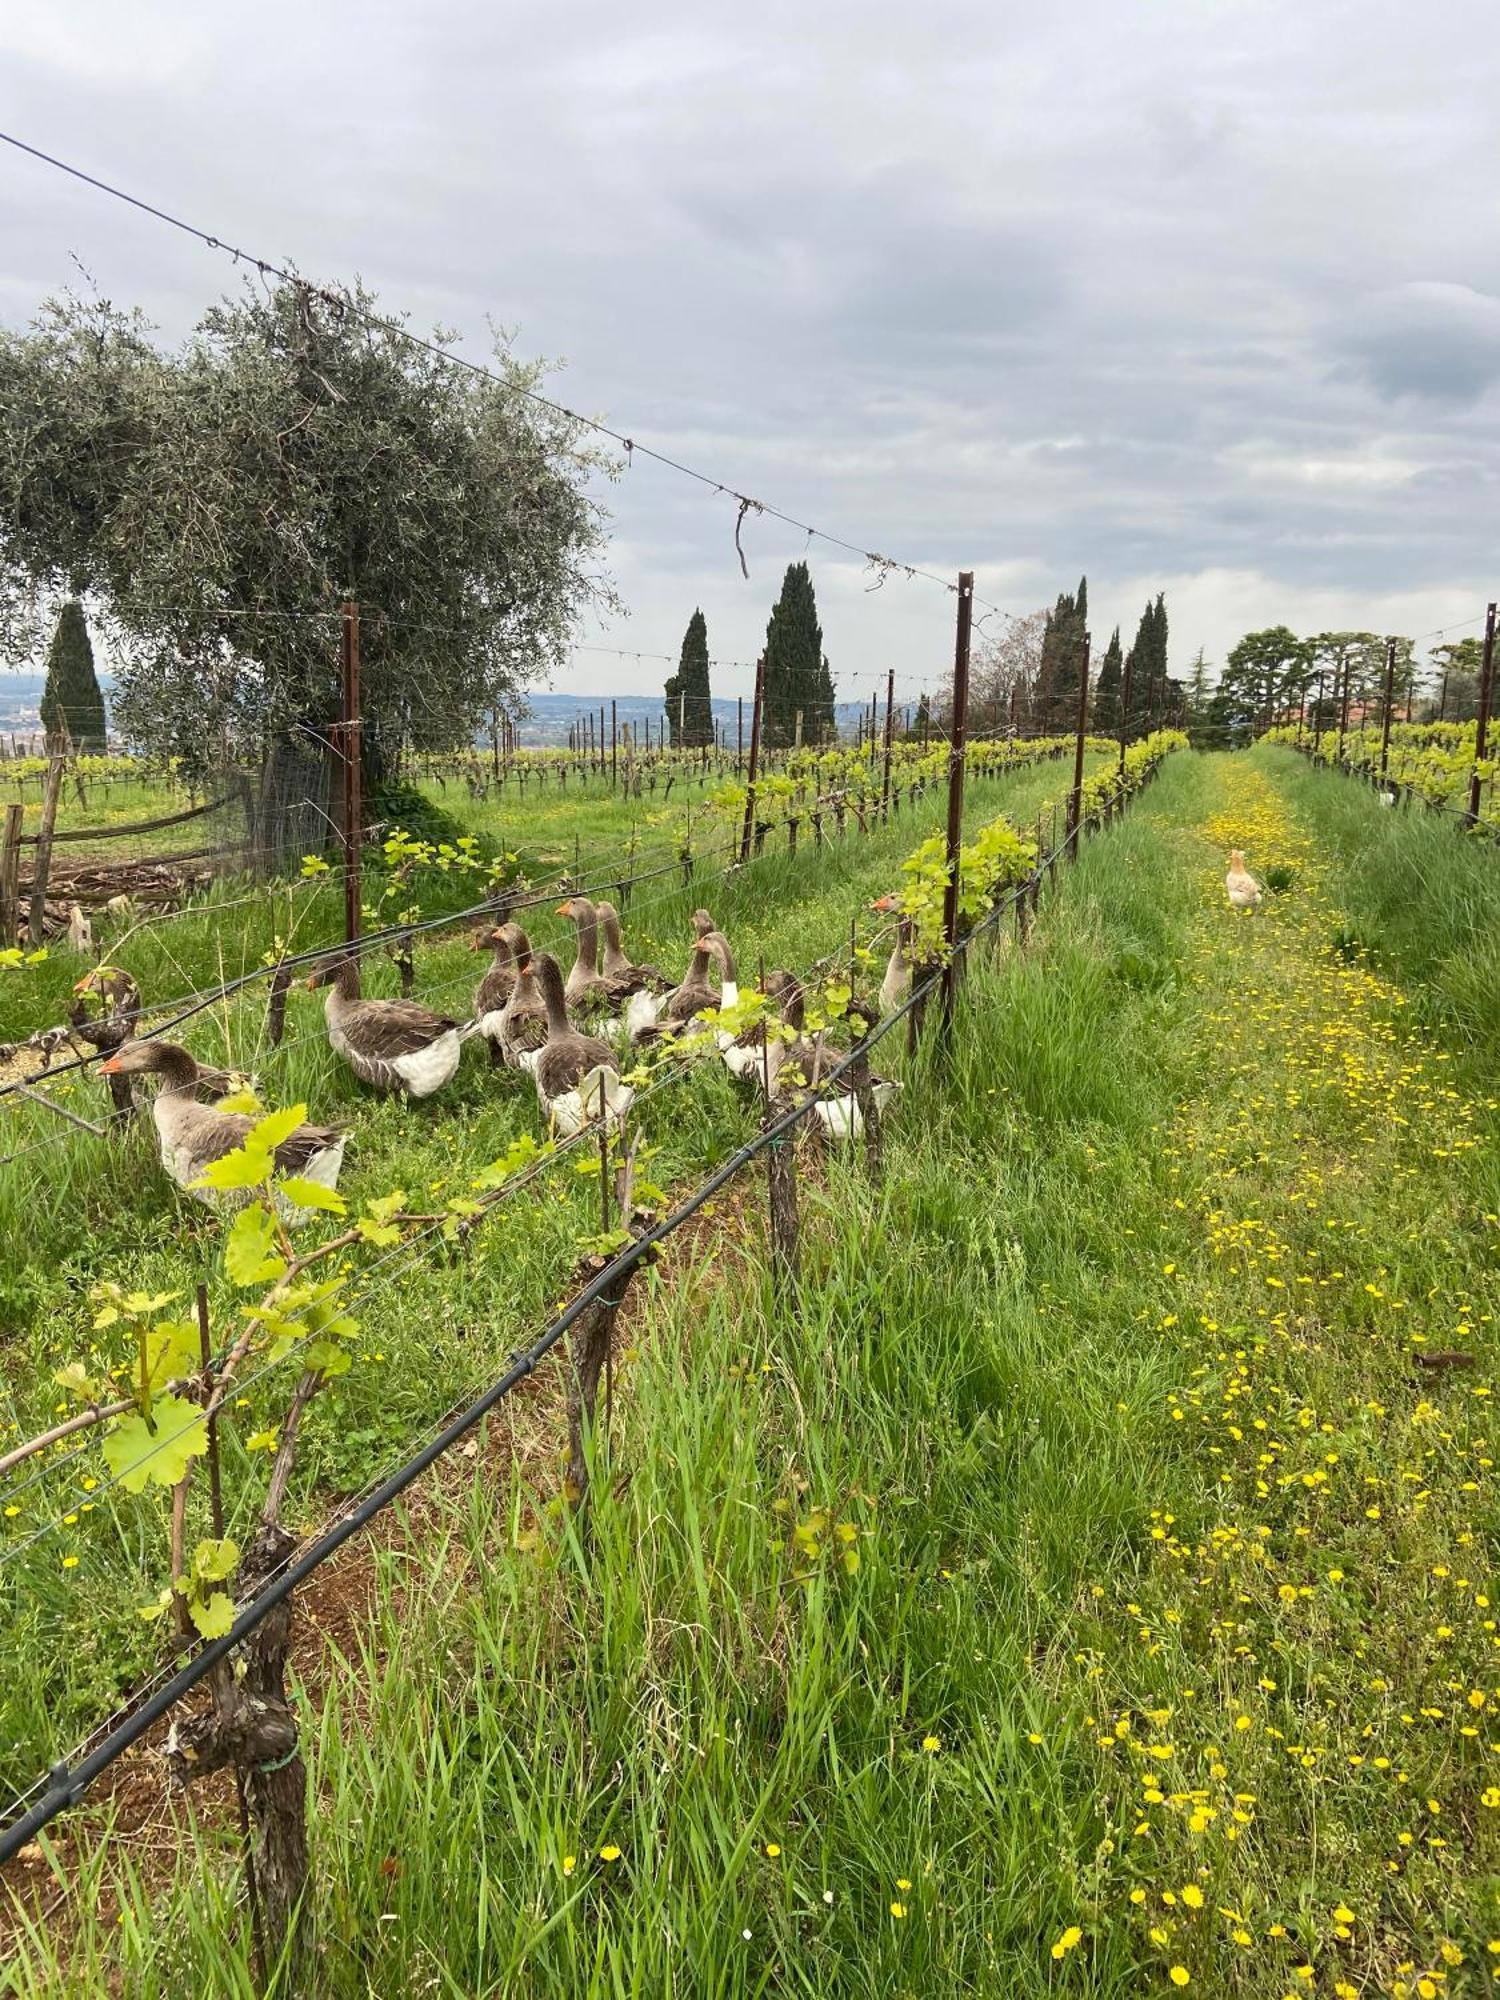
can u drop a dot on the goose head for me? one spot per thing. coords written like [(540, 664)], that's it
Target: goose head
[(341, 971), (166, 1059)]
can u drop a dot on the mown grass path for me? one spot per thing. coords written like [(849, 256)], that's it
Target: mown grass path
[(1089, 1591)]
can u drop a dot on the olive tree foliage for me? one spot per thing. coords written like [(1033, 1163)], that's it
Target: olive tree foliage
[(217, 502)]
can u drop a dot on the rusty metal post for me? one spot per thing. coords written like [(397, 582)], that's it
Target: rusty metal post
[(1075, 798), (350, 735), (1318, 717), (614, 745), (755, 719), (1385, 713), (885, 782), (956, 789), (1482, 717)]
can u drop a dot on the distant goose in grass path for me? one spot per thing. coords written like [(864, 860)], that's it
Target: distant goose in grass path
[(193, 1135), (392, 1044), (1242, 888)]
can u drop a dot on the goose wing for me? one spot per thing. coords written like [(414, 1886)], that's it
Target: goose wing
[(389, 1028)]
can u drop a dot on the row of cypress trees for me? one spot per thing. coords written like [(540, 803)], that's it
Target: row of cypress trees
[(798, 685)]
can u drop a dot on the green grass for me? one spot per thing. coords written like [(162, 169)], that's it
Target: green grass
[(1164, 1537), (437, 1327)]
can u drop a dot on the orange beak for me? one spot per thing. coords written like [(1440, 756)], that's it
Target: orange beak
[(110, 1068), (80, 984), (884, 903), (564, 909), (311, 982)]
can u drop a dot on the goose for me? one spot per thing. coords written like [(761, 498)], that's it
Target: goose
[(192, 1135), (494, 989), (795, 1068), (745, 1054), (392, 1044), (523, 1020), (622, 977), (898, 967), (106, 1003), (576, 1077), (1242, 888), (585, 988), (647, 1016)]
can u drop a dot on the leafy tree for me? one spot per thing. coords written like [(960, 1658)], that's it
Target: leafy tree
[(690, 715), (1107, 693), (1265, 672), (796, 677), (1457, 663), (1332, 654), (220, 501), (1055, 706), (71, 701)]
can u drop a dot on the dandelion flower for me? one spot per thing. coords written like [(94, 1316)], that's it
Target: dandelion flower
[(1179, 1975), (1192, 1895), (772, 1849), (610, 1853), (932, 1745), (1071, 1936), (898, 1910), (570, 1862)]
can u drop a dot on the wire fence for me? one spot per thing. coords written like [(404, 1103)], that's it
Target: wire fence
[(70, 1778)]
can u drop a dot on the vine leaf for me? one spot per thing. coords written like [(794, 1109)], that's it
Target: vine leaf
[(161, 1449), (313, 1194), (249, 1253), (214, 1615)]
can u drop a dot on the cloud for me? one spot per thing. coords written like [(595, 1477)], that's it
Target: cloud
[(1434, 342), (1183, 314)]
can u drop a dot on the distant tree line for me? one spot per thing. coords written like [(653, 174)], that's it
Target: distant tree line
[(1272, 676)]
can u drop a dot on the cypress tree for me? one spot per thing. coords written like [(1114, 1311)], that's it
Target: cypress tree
[(1107, 692), (690, 715), (797, 676), (71, 699), (1055, 708)]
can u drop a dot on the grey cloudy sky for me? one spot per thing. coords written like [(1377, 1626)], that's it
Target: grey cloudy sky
[(1199, 295)]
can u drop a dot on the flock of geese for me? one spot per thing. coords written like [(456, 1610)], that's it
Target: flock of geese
[(570, 1035)]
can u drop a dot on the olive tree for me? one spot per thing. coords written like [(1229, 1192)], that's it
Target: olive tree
[(218, 501)]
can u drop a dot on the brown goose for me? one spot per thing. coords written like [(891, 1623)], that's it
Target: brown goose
[(392, 1044), (523, 1021), (745, 1054), (621, 976), (585, 989), (648, 1016), (576, 1077), (193, 1135), (493, 992), (796, 1067)]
